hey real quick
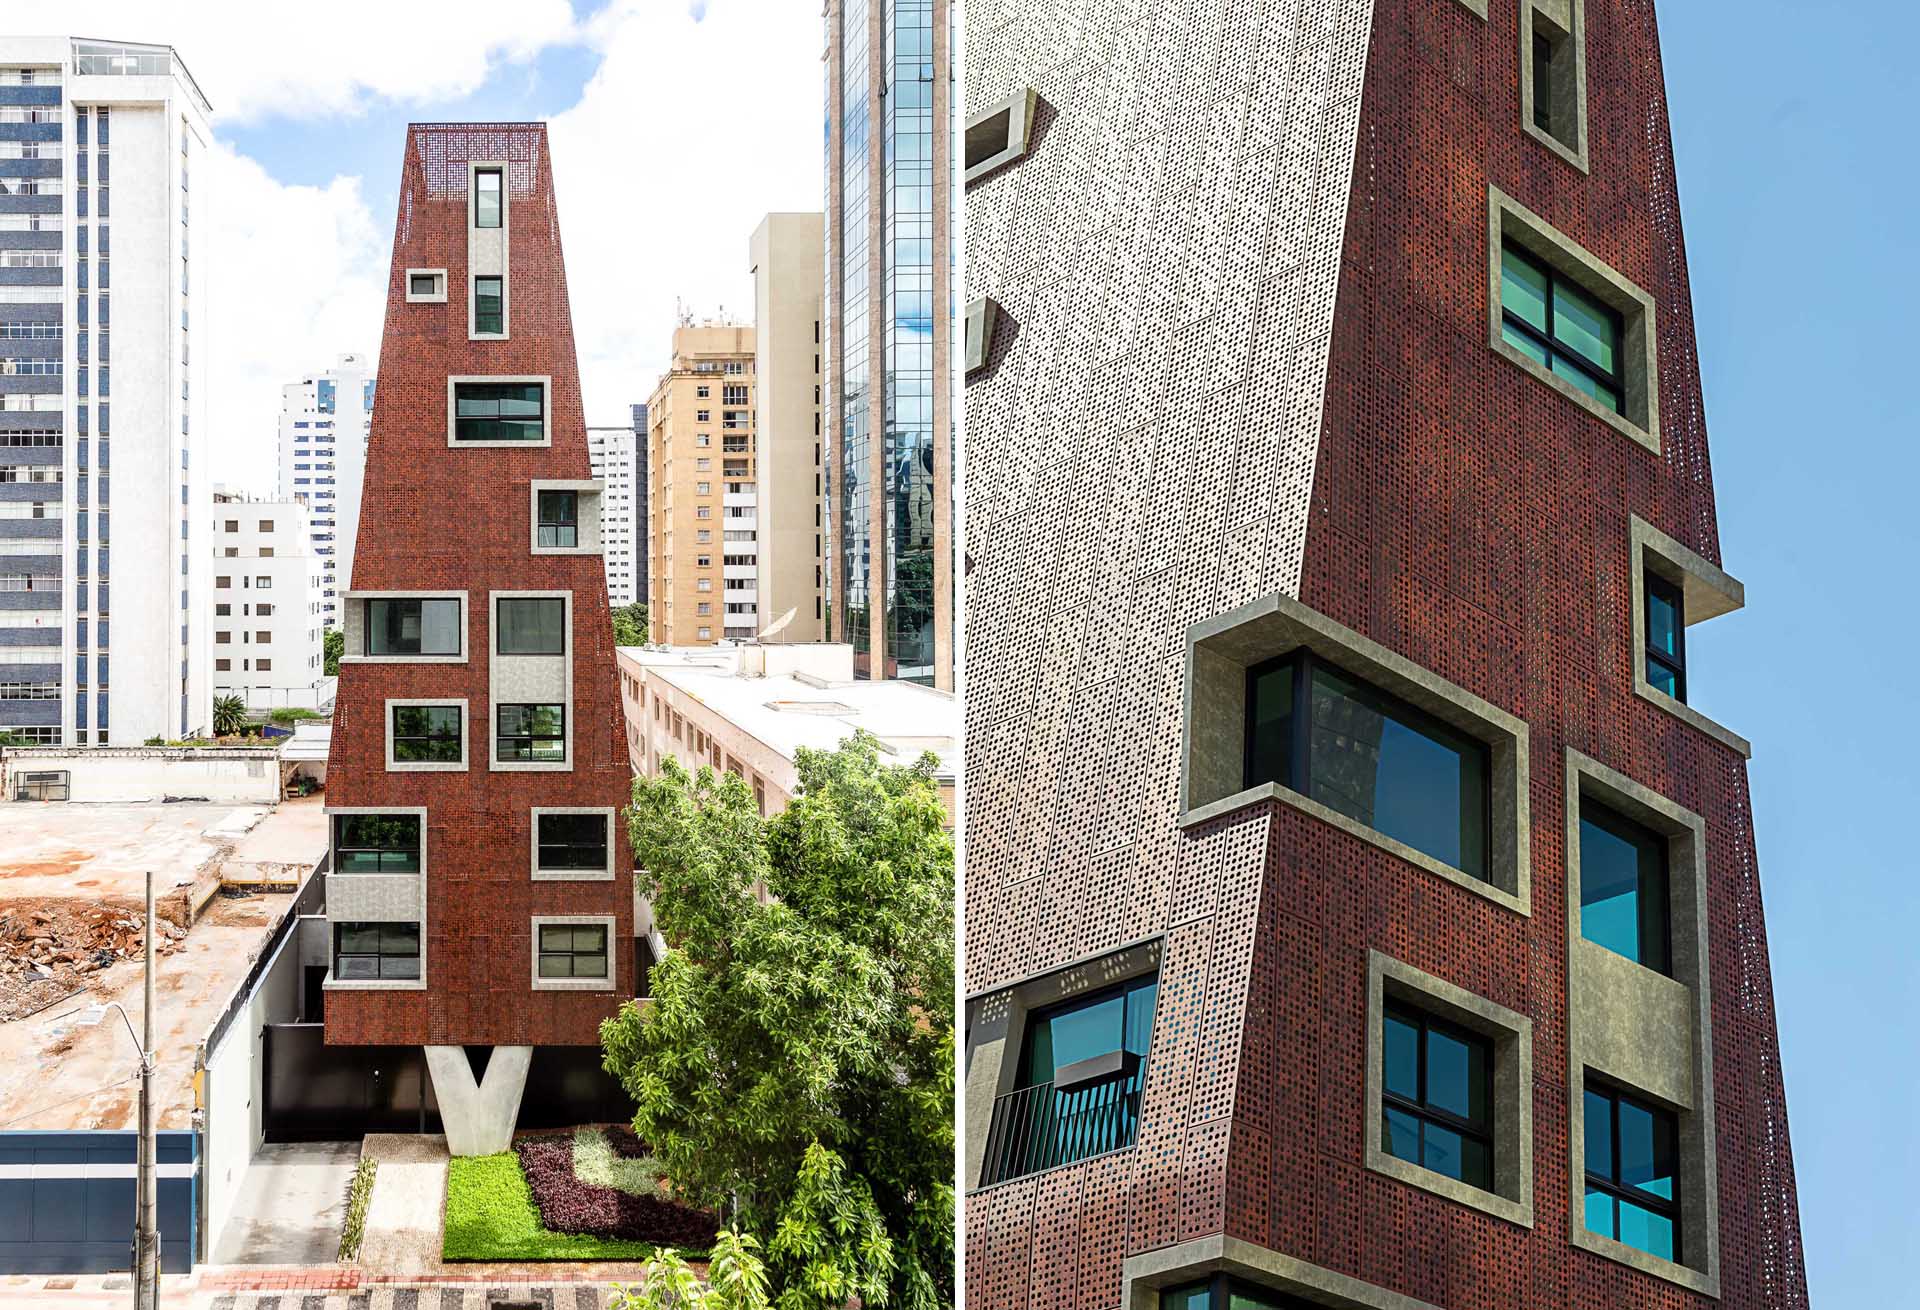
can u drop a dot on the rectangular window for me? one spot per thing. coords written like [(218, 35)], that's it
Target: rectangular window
[(571, 842), (559, 519), (1562, 328), (1624, 904), (1552, 68), (427, 734), (486, 197), (1077, 1090), (1224, 1293), (1632, 1154), (1666, 637), (1370, 756), (489, 315), (1437, 1096), (531, 625), (365, 952), (531, 734), (573, 950), (413, 627), (499, 411), (376, 843), (423, 284)]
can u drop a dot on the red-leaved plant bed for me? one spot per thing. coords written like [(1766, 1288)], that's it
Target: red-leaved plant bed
[(568, 1205)]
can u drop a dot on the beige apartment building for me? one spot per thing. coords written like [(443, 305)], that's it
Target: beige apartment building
[(787, 253), (702, 524)]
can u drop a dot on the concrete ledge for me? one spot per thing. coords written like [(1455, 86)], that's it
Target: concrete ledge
[(1707, 591), (1144, 1276)]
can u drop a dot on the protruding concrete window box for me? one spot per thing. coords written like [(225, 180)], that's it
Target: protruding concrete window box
[(564, 515), (574, 952), (1704, 590), (983, 316), (1221, 653), (1000, 134), (1392, 984), (530, 677), (377, 876), (405, 627), (426, 286), (514, 410), (1553, 76), (1632, 1029), (1150, 1275)]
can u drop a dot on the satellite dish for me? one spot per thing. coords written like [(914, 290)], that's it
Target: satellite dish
[(778, 624)]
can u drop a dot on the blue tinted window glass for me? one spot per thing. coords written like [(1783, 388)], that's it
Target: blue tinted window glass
[(1609, 890), (1139, 1032), (1646, 1231), (1663, 678), (1443, 1152), (1646, 1150), (1457, 1076), (1523, 289), (1401, 1135), (1402, 1058), (1599, 1114), (1663, 623), (1599, 1212), (1188, 1298), (1271, 705)]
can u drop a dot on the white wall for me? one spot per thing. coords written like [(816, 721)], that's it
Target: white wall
[(335, 449), (135, 773), (293, 625)]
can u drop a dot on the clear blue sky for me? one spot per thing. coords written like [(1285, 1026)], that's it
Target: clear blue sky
[(1798, 190)]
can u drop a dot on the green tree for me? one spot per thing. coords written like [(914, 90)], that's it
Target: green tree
[(736, 1280), (229, 715), (795, 1065), (630, 625), (332, 647)]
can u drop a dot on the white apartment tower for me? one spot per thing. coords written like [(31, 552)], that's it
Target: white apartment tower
[(787, 252), (267, 607), (324, 421), (616, 457), (103, 604)]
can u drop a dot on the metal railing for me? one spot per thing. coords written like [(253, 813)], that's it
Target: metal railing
[(1037, 1128)]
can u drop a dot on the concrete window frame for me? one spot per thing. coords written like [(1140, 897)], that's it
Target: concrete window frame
[(488, 248), (1145, 1276), (428, 766), (1220, 650), (438, 296), (1509, 220), (1479, 7), (354, 623), (590, 496), (1707, 592), (570, 875), (997, 1025), (515, 680), (546, 410), (1644, 1031), (1512, 1037), (378, 898), (575, 984), (982, 317), (1565, 22), (1000, 134)]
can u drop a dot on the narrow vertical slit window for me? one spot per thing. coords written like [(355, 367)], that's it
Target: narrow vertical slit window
[(1666, 637), (489, 307), (1632, 1172), (486, 197), (1624, 904)]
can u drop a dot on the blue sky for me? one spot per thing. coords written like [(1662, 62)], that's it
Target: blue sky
[(1798, 191)]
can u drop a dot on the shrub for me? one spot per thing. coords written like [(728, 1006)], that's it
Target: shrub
[(615, 1159), (567, 1204), (359, 1196), (491, 1216)]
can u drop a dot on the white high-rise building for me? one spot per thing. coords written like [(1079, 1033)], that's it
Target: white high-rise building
[(617, 456), (267, 618), (324, 422), (103, 596)]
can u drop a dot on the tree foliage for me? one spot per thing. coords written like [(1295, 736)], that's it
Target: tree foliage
[(229, 716), (333, 644), (736, 1280), (630, 625), (794, 1068)]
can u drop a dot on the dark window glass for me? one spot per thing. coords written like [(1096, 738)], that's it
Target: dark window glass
[(1561, 327), (373, 951), (422, 284), (1371, 757), (1542, 82), (532, 625), (1624, 904), (531, 733), (559, 519), (376, 843), (1223, 1293), (1077, 1092), (413, 627), (573, 950), (573, 841), (427, 734), (1632, 1160), (499, 411), (488, 314), (1666, 637), (486, 197), (1437, 1101)]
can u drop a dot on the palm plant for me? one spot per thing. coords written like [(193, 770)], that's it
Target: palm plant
[(229, 715)]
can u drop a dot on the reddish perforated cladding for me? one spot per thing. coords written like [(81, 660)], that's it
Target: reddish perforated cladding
[(1462, 513)]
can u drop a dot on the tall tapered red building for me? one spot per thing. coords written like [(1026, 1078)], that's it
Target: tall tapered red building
[(480, 891), (1361, 911)]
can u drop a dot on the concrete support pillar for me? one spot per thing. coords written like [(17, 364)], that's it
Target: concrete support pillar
[(478, 1117)]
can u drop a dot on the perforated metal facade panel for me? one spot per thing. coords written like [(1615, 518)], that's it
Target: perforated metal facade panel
[(1243, 349)]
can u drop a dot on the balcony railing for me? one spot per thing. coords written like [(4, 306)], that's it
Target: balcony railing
[(1048, 1124)]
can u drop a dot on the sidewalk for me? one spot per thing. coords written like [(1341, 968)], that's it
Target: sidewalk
[(328, 1287)]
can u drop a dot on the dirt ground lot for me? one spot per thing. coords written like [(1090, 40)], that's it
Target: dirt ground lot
[(58, 1073)]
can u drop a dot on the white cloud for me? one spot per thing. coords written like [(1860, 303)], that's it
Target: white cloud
[(253, 59), (690, 132)]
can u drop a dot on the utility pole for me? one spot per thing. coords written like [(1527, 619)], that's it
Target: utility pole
[(146, 1240)]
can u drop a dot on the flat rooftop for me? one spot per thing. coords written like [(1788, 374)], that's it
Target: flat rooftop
[(57, 1073), (787, 711)]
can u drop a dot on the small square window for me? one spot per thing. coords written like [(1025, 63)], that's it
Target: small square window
[(530, 625), (570, 843), (572, 951), (530, 734), (559, 524), (1438, 1097), (1632, 1171), (426, 285), (999, 134), (404, 626), (428, 734), (376, 843), (369, 952)]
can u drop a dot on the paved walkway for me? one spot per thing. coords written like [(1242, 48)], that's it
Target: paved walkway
[(291, 1205), (475, 1296), (408, 1212)]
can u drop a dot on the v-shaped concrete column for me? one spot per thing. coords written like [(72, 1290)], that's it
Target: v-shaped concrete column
[(478, 1118)]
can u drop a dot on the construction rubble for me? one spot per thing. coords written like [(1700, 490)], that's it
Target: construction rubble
[(51, 946)]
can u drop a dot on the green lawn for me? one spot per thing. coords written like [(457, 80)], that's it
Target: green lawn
[(490, 1216)]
